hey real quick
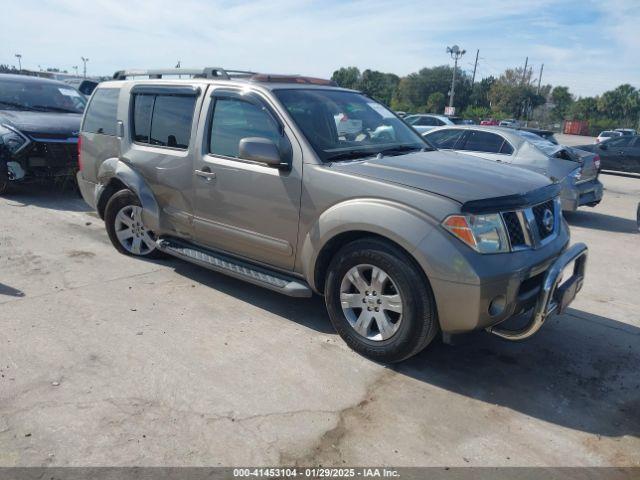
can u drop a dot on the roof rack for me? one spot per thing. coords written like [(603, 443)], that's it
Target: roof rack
[(208, 72)]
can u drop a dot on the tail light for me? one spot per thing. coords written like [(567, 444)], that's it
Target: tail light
[(80, 153), (596, 162)]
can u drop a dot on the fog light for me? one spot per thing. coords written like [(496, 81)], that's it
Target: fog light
[(496, 307)]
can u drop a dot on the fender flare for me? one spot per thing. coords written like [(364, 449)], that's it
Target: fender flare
[(116, 168), (401, 224)]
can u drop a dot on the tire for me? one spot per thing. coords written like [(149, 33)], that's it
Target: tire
[(390, 336), (122, 214)]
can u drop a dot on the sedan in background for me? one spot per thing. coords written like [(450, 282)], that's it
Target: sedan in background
[(607, 134), (576, 171), (620, 154), (423, 122)]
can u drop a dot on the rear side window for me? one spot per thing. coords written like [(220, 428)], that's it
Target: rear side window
[(101, 116), (445, 139), (484, 142), (142, 108), (163, 120)]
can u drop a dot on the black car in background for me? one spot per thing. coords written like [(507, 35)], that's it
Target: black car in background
[(39, 125), (620, 154)]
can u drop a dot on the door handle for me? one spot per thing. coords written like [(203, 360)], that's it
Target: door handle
[(205, 173)]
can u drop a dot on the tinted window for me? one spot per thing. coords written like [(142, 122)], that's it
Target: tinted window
[(426, 122), (483, 142), (142, 108), (445, 138), (171, 121), (235, 119), (623, 141), (102, 112)]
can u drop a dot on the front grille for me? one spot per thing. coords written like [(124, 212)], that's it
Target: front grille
[(58, 154), (514, 228), (538, 214)]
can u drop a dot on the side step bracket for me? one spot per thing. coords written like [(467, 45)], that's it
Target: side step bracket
[(233, 267)]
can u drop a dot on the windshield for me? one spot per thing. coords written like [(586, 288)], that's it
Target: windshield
[(38, 96), (342, 125)]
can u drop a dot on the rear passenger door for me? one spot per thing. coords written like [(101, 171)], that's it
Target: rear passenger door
[(162, 129), (486, 145), (243, 207)]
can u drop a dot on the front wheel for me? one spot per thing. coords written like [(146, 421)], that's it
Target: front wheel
[(128, 234), (379, 301)]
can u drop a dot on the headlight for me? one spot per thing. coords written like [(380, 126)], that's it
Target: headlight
[(483, 233), (13, 140)]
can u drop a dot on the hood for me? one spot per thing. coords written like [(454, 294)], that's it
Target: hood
[(49, 124), (459, 177)]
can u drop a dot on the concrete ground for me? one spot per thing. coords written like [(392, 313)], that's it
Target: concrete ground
[(574, 140), (108, 360)]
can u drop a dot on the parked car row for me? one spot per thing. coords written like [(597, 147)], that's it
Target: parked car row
[(299, 186)]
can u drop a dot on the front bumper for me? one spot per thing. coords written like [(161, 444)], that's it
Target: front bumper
[(577, 195), (553, 297)]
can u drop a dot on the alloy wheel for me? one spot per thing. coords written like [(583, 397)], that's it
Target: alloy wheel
[(131, 232), (371, 302)]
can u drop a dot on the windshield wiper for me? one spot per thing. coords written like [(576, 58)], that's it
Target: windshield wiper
[(16, 105), (350, 155), (51, 108), (400, 149)]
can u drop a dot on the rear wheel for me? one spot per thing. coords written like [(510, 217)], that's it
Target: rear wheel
[(379, 301), (127, 232)]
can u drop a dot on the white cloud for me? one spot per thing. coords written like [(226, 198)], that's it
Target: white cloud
[(304, 36)]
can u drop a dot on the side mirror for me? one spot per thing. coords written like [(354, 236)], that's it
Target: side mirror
[(259, 149), (603, 146)]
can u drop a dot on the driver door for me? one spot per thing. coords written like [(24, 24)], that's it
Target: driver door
[(244, 207)]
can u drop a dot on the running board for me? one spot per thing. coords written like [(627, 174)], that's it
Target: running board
[(235, 268)]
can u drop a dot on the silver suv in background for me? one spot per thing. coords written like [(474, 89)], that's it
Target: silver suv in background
[(249, 175), (575, 170)]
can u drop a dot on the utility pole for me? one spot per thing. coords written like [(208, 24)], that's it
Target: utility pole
[(84, 68), (475, 66), (524, 72), (456, 54), (540, 78), (19, 57)]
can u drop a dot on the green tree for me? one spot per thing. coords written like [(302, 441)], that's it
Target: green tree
[(347, 77), (436, 102), (514, 94), (378, 85), (562, 100), (621, 104)]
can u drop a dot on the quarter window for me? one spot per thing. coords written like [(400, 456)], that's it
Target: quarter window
[(163, 120), (235, 119), (101, 116)]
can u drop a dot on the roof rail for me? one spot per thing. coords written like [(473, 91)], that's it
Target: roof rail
[(208, 72)]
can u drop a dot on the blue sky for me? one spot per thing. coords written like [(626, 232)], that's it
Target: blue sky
[(590, 46)]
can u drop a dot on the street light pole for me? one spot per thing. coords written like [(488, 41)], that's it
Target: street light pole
[(19, 57), (75, 67), (456, 54), (84, 68)]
